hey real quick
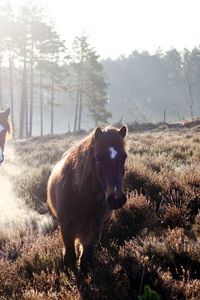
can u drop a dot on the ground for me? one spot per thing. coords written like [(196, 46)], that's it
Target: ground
[(154, 240)]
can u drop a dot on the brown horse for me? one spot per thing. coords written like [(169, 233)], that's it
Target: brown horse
[(83, 189), (4, 128)]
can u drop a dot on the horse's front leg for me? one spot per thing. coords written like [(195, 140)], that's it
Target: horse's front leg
[(69, 254), (87, 257)]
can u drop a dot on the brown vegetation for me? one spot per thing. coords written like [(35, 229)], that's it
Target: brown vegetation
[(154, 239)]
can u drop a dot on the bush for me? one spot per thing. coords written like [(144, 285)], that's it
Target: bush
[(153, 240), (32, 187)]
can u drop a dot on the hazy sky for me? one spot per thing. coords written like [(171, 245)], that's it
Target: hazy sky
[(118, 27)]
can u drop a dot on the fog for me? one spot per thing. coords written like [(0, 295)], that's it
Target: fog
[(16, 218)]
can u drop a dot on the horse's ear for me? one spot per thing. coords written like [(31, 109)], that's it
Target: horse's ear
[(6, 113), (97, 133), (123, 131)]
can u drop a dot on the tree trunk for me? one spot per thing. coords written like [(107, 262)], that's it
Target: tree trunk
[(26, 107), (80, 104), (23, 105), (11, 93), (52, 104), (41, 103), (191, 101), (1, 96), (31, 94), (77, 105)]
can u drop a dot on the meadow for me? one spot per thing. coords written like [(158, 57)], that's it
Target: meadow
[(154, 240)]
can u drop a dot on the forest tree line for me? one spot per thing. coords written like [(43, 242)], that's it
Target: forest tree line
[(143, 86), (37, 68), (36, 62)]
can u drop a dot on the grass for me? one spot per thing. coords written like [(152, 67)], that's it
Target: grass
[(153, 241)]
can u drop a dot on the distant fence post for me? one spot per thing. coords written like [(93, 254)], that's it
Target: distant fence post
[(164, 116)]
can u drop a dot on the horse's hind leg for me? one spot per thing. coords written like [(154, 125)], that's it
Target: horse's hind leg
[(69, 254)]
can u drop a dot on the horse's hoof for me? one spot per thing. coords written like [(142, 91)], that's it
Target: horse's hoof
[(86, 265)]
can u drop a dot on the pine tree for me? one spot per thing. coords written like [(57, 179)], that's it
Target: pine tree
[(88, 87)]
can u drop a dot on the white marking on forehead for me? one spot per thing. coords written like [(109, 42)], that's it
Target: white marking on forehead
[(1, 155), (1, 128), (112, 152)]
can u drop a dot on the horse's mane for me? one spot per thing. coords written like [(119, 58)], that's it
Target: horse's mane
[(80, 160)]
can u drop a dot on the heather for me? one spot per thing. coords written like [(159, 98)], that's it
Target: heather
[(153, 241)]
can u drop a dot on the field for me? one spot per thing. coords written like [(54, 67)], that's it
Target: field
[(154, 240)]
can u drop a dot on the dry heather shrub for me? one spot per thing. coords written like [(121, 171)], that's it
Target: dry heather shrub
[(52, 285), (164, 261), (138, 177), (107, 280), (160, 187), (173, 216), (196, 226), (175, 188), (36, 265), (47, 150), (40, 253), (31, 294), (191, 177), (31, 186), (130, 220), (163, 172), (156, 163), (181, 289), (11, 281)]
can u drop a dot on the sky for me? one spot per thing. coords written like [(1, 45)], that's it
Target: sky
[(117, 27)]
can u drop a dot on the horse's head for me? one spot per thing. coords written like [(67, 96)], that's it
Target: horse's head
[(4, 128), (110, 156)]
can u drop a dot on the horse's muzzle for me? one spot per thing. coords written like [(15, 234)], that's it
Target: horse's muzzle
[(116, 203)]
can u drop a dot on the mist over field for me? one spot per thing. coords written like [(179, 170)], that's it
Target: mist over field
[(16, 218)]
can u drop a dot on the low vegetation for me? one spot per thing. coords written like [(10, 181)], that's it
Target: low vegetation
[(150, 250)]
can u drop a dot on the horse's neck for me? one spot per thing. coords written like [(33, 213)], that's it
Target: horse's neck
[(88, 181)]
